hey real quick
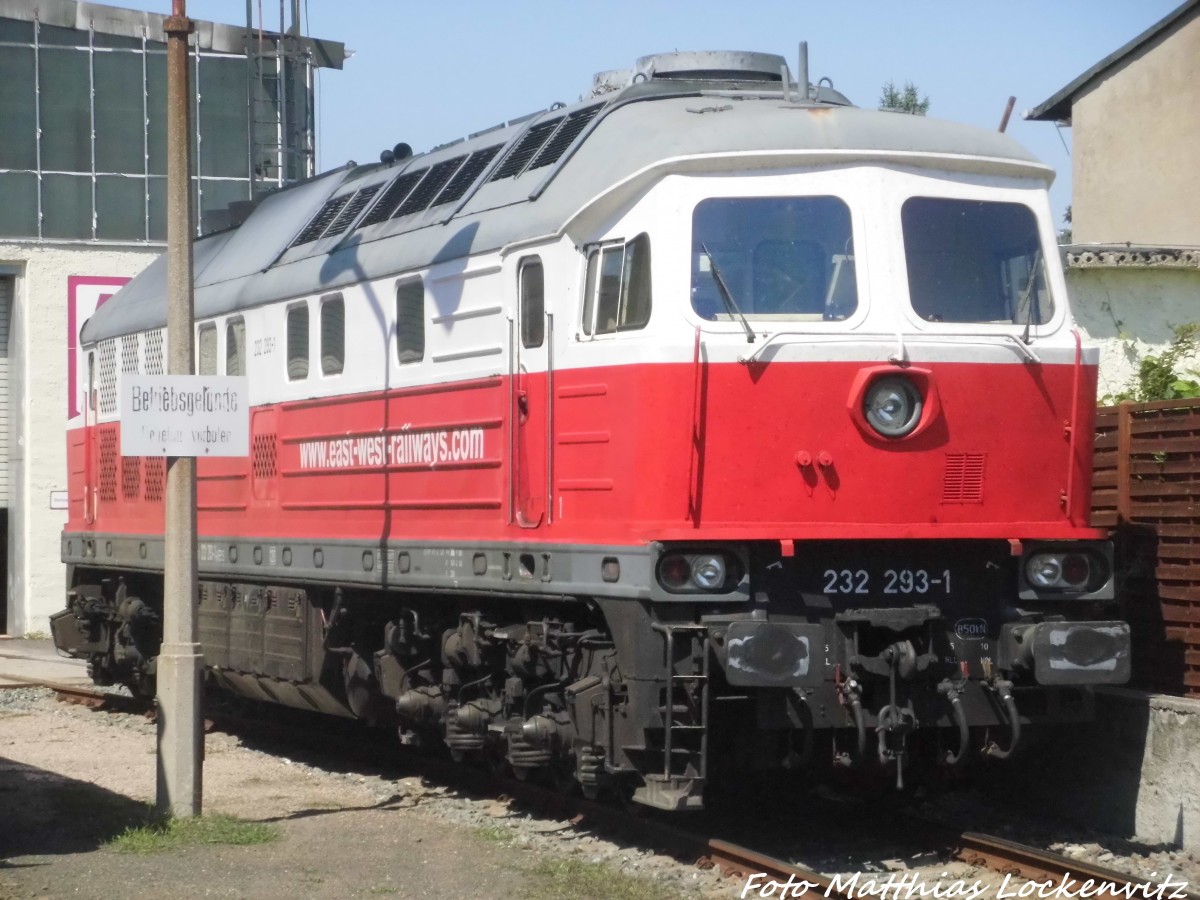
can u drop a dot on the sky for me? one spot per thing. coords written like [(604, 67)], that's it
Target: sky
[(429, 72)]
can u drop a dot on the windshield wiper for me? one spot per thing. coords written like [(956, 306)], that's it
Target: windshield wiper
[(1027, 294), (726, 297)]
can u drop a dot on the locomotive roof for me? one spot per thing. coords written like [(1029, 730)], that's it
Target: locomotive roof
[(559, 170)]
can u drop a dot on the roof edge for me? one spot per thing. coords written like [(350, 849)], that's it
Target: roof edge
[(1058, 107), (116, 20)]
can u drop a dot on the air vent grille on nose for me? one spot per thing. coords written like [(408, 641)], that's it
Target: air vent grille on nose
[(963, 480)]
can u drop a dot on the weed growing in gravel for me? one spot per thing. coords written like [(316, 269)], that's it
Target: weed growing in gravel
[(596, 881), (172, 834), (500, 834)]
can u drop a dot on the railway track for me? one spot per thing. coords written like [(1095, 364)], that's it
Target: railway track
[(1058, 877), (1073, 875)]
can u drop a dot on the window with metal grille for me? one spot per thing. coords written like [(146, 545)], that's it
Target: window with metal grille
[(617, 296), (235, 347), (108, 377), (333, 334), (351, 210), (410, 321), (526, 149), (430, 186), (155, 480), (206, 359), (465, 177), (297, 343), (391, 199), (109, 453), (263, 456), (129, 354), (131, 476), (564, 137), (531, 280), (153, 352), (325, 215)]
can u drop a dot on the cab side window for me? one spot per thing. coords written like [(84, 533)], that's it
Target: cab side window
[(617, 293)]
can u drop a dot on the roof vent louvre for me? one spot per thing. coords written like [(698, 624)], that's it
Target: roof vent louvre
[(351, 210), (526, 149), (392, 198), (325, 215), (565, 136), (430, 186), (465, 177)]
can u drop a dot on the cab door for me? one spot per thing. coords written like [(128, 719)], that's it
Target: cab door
[(532, 398)]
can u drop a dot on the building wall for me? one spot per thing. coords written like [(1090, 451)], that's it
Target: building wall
[(47, 277), (1129, 312), (84, 155), (1132, 772), (1136, 150)]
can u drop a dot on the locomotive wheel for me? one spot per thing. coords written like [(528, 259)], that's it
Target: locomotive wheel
[(145, 688), (561, 775)]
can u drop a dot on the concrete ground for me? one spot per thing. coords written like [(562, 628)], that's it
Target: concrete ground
[(23, 661)]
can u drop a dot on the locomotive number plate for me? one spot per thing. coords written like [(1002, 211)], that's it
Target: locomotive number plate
[(895, 582)]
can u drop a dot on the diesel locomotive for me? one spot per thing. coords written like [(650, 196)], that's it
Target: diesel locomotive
[(704, 425)]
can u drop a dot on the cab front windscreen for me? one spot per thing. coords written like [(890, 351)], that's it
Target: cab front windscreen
[(787, 258)]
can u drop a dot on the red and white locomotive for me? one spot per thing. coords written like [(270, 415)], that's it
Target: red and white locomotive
[(632, 441)]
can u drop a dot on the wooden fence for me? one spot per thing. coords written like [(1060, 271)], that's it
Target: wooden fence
[(1147, 487)]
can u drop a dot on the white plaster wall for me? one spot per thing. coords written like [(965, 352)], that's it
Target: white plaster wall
[(38, 405), (1129, 312), (1135, 149)]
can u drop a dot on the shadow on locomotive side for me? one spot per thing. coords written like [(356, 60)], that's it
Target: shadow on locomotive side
[(633, 443)]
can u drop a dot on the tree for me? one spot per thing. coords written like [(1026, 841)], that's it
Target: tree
[(908, 99), (1065, 235)]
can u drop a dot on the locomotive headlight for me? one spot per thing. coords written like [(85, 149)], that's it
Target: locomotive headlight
[(674, 571), (1044, 570), (695, 571), (1076, 570), (1069, 571), (708, 572), (892, 406)]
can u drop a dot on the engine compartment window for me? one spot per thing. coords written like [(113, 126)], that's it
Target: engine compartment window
[(787, 258), (235, 347), (206, 358), (333, 334), (975, 261), (617, 296), (410, 321), (297, 343)]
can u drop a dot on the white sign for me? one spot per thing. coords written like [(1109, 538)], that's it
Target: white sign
[(184, 415), (58, 499)]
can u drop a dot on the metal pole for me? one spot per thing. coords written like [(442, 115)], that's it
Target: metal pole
[(179, 733), (1012, 101)]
